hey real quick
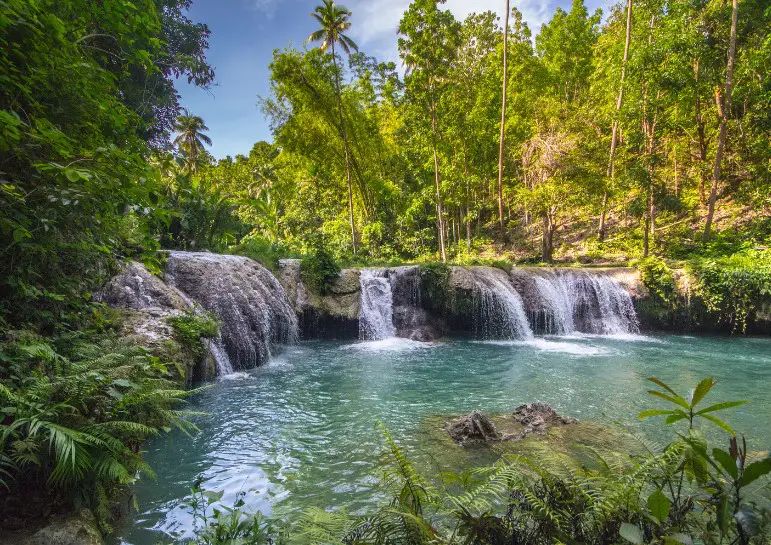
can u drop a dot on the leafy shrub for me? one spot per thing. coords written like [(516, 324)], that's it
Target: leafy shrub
[(319, 269), (735, 287), (191, 327), (76, 412), (659, 280), (262, 250)]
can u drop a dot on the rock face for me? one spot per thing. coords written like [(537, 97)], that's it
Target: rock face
[(334, 315), (78, 529), (538, 417), (255, 312), (473, 428), (147, 303), (135, 288)]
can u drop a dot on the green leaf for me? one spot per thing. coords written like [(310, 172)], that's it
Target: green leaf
[(631, 533), (659, 505), (726, 462), (676, 416), (662, 384), (701, 390), (677, 400), (754, 471), (721, 406), (653, 412), (715, 420), (723, 514)]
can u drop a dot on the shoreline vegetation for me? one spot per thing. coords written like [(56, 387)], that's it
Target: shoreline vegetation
[(639, 138)]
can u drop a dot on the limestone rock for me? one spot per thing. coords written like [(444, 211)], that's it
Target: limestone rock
[(79, 529), (473, 428), (137, 289), (537, 417)]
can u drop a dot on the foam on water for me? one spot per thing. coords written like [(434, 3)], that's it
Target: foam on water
[(392, 344)]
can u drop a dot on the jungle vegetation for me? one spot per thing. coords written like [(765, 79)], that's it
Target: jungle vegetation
[(642, 134)]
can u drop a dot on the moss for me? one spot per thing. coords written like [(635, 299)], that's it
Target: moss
[(435, 284), (191, 327)]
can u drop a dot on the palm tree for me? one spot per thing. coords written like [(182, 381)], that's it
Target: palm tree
[(334, 22), (191, 138)]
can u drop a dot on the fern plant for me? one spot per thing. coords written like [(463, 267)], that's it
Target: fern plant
[(76, 415)]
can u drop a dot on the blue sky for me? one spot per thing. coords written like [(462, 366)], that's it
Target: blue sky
[(245, 33)]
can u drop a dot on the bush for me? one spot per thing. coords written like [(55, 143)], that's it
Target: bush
[(659, 280), (736, 287), (263, 251), (434, 282), (76, 411), (191, 327), (319, 269)]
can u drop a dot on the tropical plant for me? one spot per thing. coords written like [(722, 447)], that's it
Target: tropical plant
[(334, 22), (76, 413), (191, 139)]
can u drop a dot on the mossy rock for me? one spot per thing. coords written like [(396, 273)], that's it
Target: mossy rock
[(577, 440)]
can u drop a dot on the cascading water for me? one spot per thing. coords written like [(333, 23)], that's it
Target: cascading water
[(253, 308), (562, 301), (498, 307), (376, 306)]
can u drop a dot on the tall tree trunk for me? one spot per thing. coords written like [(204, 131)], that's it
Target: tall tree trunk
[(439, 208), (724, 110), (619, 104), (347, 151), (547, 238), (503, 121)]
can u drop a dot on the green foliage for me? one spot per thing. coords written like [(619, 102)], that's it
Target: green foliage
[(87, 90), (735, 288), (262, 250), (192, 328), (659, 280), (319, 269), (435, 281), (76, 411)]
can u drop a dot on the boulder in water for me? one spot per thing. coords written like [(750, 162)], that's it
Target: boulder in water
[(537, 417), (473, 428)]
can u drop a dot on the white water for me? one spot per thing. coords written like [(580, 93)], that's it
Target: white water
[(498, 306), (221, 359), (254, 310), (563, 302), (376, 310)]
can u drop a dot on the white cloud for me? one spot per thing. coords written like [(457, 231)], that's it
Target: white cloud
[(266, 7)]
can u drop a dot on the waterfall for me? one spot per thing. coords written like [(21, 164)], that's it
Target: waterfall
[(252, 306), (564, 301), (498, 309), (376, 306), (221, 359)]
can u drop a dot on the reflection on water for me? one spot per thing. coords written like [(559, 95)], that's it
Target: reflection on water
[(300, 430)]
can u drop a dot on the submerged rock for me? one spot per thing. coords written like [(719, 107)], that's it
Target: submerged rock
[(529, 419), (473, 428), (537, 417)]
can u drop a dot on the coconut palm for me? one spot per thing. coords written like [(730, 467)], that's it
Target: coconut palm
[(191, 138), (334, 22)]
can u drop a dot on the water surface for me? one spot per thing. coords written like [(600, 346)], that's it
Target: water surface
[(299, 431)]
